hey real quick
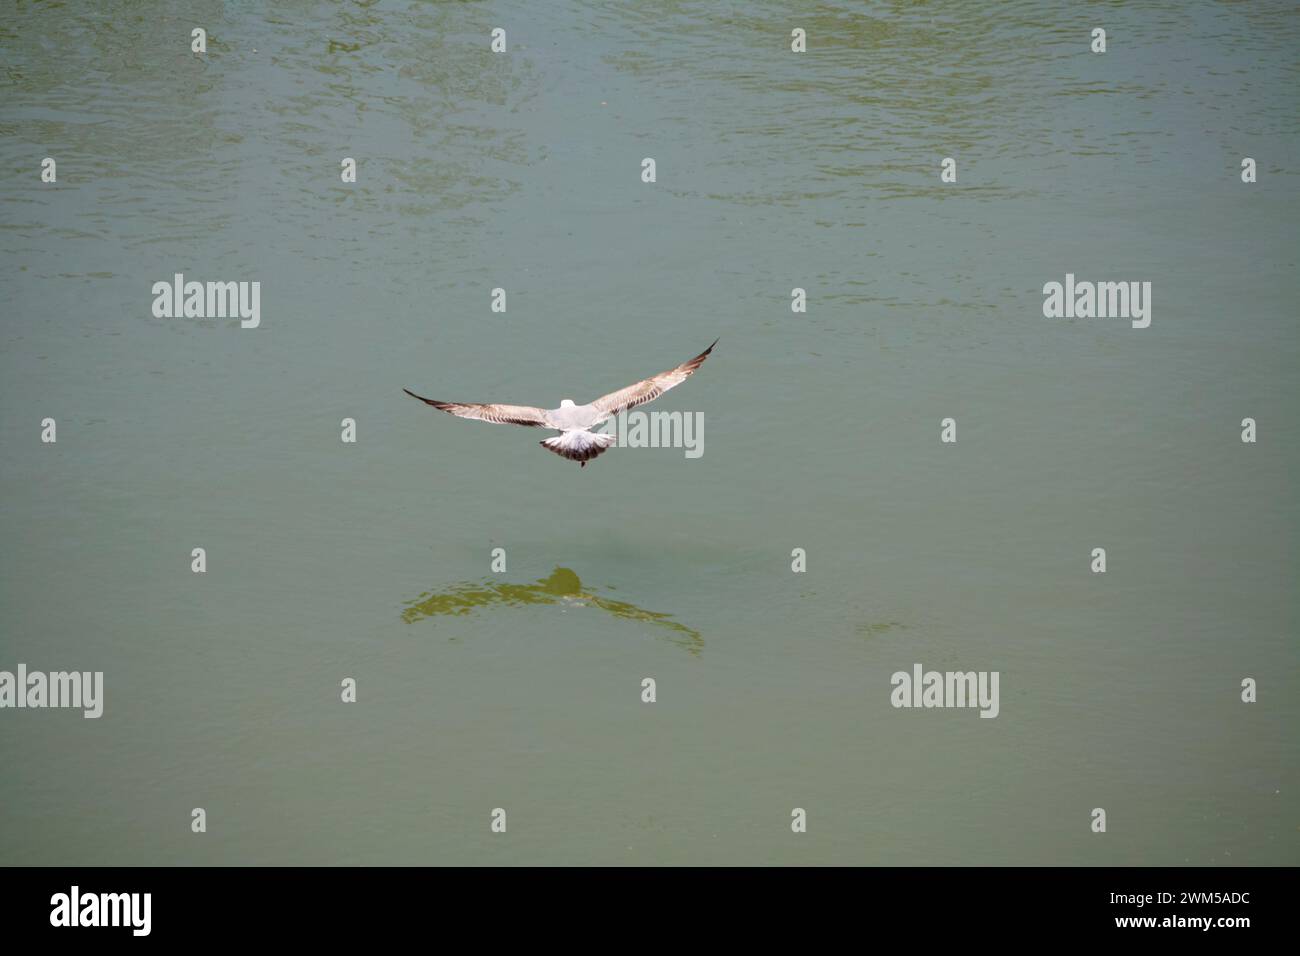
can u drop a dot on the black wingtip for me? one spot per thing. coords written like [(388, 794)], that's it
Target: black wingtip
[(427, 401)]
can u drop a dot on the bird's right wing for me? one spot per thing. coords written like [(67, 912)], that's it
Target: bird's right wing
[(647, 390), (500, 414)]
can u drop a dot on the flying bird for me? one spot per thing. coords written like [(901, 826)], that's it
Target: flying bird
[(575, 441)]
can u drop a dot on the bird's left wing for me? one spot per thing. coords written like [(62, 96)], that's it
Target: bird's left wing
[(501, 414), (647, 390)]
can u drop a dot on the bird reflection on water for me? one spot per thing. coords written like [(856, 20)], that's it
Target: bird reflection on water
[(562, 587)]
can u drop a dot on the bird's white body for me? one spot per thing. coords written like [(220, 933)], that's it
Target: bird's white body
[(576, 441), (570, 416)]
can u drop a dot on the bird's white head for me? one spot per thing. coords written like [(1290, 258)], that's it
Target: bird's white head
[(566, 403)]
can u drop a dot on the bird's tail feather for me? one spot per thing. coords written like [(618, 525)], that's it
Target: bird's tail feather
[(579, 445)]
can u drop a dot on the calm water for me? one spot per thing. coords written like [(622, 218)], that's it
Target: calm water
[(522, 690)]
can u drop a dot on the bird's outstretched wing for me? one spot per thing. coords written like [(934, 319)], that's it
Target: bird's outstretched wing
[(649, 389), (501, 414)]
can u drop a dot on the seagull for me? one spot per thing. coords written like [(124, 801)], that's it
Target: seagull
[(575, 441)]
